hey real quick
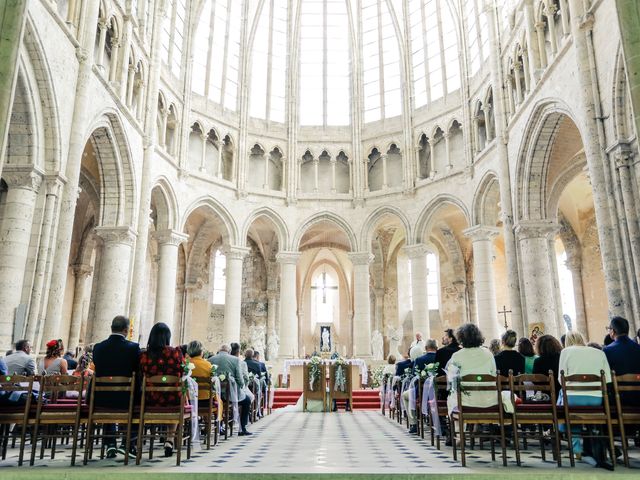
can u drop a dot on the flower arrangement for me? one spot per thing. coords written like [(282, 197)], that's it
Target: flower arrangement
[(377, 376), (187, 367), (341, 378), (314, 371), (430, 370)]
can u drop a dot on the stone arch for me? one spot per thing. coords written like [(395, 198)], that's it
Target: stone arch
[(166, 204), (425, 219), (117, 175), (23, 137), (487, 195), (326, 217), (623, 124), (533, 157), (576, 165), (371, 222), (277, 221), (229, 229)]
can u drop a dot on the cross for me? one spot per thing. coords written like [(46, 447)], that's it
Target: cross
[(324, 287), (504, 312)]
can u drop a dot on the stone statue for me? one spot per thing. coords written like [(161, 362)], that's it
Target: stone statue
[(377, 345), (256, 337), (273, 345), (325, 344), (395, 338)]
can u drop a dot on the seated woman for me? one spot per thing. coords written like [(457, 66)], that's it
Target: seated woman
[(548, 348), (53, 363), (579, 359), (472, 359), (509, 359), (525, 348), (203, 370), (390, 367), (162, 359)]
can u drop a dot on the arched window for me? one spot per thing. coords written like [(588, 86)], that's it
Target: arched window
[(477, 34), (216, 59), (325, 63), (173, 35), (325, 295), (565, 281), (219, 278), (434, 50), (380, 62), (433, 282), (269, 63)]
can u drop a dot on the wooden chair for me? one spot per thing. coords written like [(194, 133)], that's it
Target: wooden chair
[(534, 413), (227, 415), (625, 386), (466, 415), (18, 414), (337, 394), (319, 391), (172, 415), (596, 415), (108, 415), (57, 417), (440, 385), (207, 409)]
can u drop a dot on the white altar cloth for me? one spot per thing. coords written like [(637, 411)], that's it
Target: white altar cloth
[(301, 361)]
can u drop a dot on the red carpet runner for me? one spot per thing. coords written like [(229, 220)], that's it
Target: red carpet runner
[(362, 399)]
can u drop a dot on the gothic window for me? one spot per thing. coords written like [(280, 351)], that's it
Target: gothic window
[(325, 296), (434, 50), (219, 278), (269, 63), (565, 281), (173, 35), (477, 34), (216, 52), (433, 282), (325, 63)]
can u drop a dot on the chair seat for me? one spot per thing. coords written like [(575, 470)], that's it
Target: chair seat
[(62, 407), (534, 407), (168, 409)]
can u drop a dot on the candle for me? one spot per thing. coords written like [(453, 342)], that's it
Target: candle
[(344, 350)]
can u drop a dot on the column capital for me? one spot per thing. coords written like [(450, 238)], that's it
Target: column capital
[(418, 250), (82, 270), (287, 258), (123, 235), (574, 263), (235, 252), (481, 232), (361, 258), (536, 229), (23, 177), (170, 237)]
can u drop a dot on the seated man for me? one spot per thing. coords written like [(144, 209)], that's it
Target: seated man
[(116, 357), (406, 364), (623, 356), (429, 357), (450, 346), (229, 365), (21, 362)]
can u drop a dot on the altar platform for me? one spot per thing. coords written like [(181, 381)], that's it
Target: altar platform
[(292, 373), (362, 399)]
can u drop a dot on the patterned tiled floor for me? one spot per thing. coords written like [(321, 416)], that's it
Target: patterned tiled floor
[(360, 442)]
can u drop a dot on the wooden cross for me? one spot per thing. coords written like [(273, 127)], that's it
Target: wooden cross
[(504, 312), (324, 287)]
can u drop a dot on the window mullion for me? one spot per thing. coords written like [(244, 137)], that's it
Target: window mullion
[(380, 60), (226, 54), (267, 111), (324, 63)]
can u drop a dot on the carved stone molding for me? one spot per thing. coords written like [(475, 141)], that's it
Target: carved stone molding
[(82, 270), (24, 177), (536, 229), (361, 258), (418, 250), (481, 233), (287, 258), (122, 235), (170, 237), (233, 252)]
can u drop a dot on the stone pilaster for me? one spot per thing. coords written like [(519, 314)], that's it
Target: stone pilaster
[(574, 265), (288, 304), (418, 258), (538, 279), (233, 293), (168, 243), (15, 234), (361, 304), (483, 254), (112, 293), (81, 274)]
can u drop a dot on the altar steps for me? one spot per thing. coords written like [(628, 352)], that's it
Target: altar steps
[(362, 399)]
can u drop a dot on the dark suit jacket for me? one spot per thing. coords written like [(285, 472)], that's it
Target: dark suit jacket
[(443, 355), (253, 366), (115, 357), (402, 366), (424, 360), (623, 356)]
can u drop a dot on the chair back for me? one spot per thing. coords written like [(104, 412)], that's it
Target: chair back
[(55, 387), (477, 382), (18, 383), (579, 383), (626, 389), (164, 384), (110, 384), (521, 384), (205, 385)]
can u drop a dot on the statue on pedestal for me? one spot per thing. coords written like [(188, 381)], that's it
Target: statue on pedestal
[(325, 342), (273, 345), (256, 337), (395, 337), (377, 345)]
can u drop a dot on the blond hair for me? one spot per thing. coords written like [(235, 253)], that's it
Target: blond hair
[(574, 338)]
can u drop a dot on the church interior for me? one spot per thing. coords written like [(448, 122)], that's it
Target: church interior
[(317, 179)]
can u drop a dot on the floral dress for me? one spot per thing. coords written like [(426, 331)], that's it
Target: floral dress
[(168, 363)]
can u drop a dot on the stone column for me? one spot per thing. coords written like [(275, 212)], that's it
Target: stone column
[(316, 163), (483, 252), (538, 282), (539, 26), (233, 292), (361, 304), (265, 183), (288, 304), (15, 234), (385, 180), (447, 149), (574, 264), (551, 10), (12, 19), (168, 243), (101, 44), (81, 273), (517, 72), (203, 155), (418, 257), (219, 166), (333, 174), (113, 280)]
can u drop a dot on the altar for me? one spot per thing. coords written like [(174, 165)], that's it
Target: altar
[(293, 368)]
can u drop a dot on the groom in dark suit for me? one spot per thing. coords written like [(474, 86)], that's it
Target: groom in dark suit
[(116, 357)]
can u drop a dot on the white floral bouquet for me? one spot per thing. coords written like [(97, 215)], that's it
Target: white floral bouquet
[(430, 370), (314, 371), (341, 377)]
